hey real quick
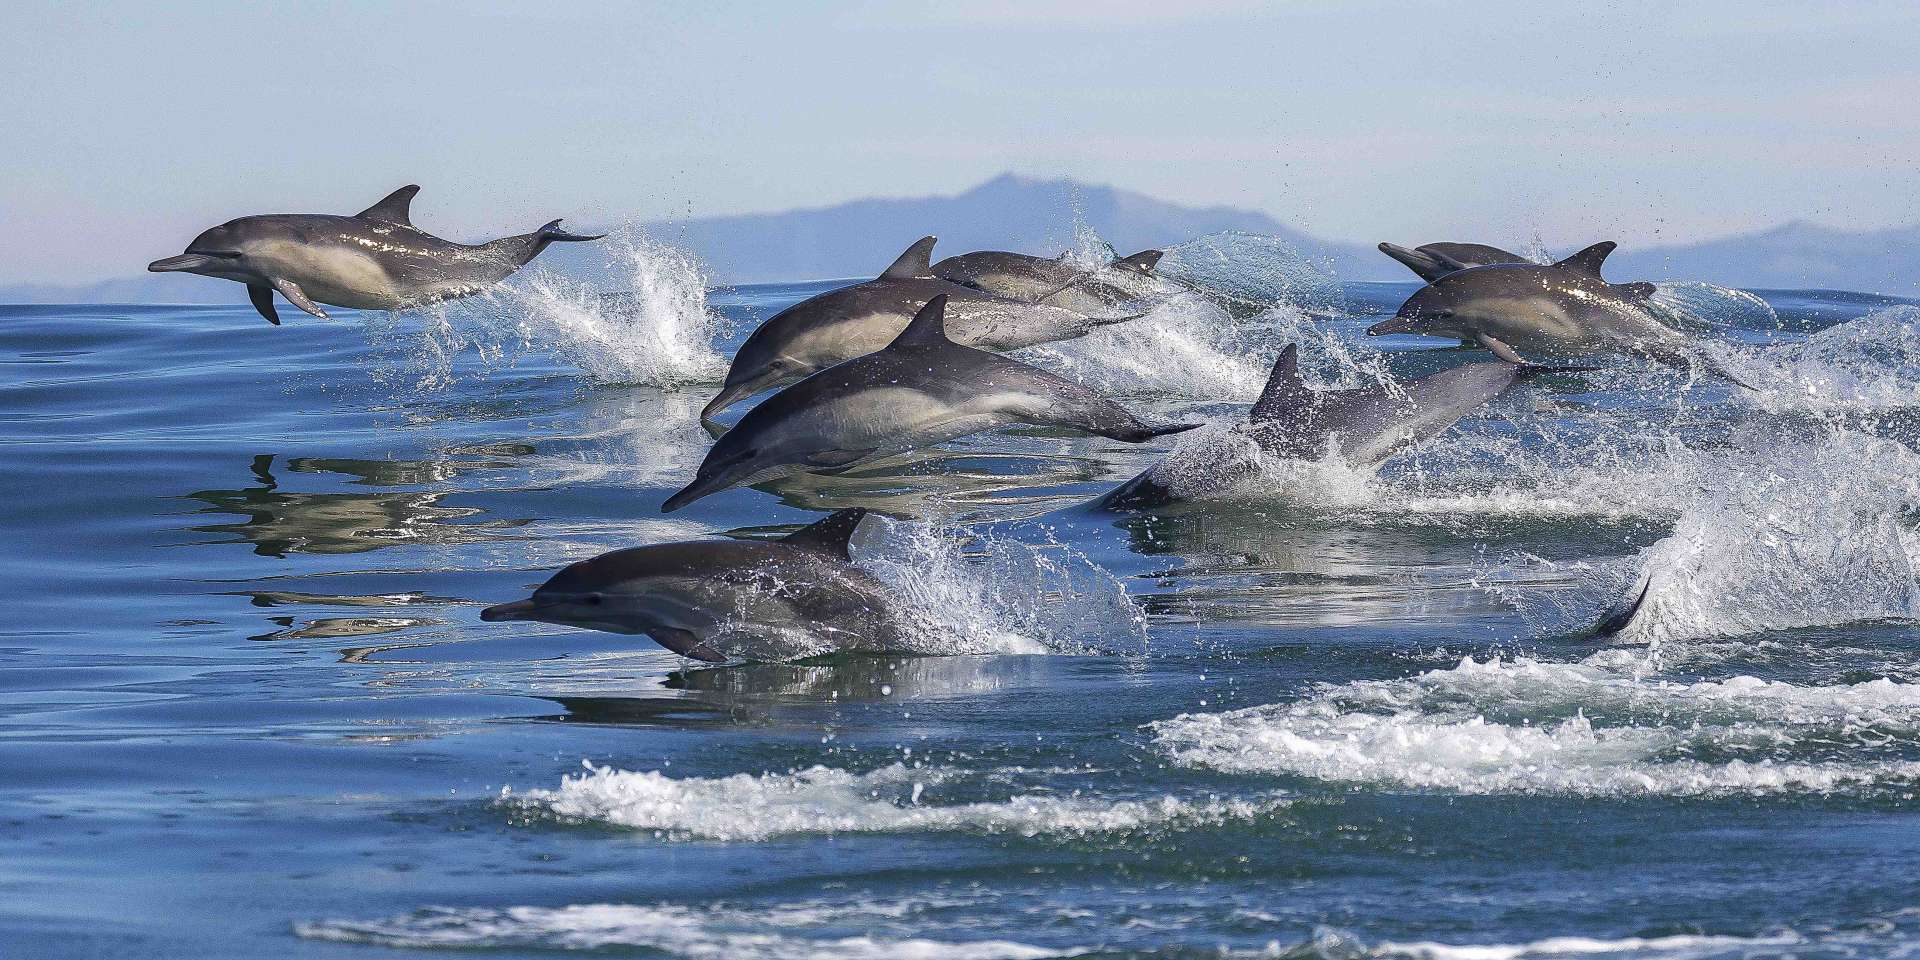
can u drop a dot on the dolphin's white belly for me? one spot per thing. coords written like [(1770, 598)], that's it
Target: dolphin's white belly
[(337, 274)]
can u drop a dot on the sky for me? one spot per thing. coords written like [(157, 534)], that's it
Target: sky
[(132, 126)]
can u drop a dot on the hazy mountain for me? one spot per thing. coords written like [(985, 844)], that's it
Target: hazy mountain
[(860, 237)]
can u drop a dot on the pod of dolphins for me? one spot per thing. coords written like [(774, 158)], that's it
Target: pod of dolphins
[(910, 359)]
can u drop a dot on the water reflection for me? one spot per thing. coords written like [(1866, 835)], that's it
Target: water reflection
[(280, 523), (764, 693), (1271, 565)]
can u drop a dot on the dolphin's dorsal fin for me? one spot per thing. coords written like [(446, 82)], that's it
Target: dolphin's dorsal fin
[(1589, 260), (1142, 262), (394, 208), (1285, 388), (928, 328), (831, 535), (916, 262)]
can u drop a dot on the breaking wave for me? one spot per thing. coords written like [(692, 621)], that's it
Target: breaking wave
[(1526, 726), (707, 932), (820, 800)]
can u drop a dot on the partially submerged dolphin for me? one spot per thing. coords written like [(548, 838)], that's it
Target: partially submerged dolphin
[(1055, 281), (374, 260), (921, 389), (1363, 426), (717, 600), (1435, 260), (1563, 309), (842, 324)]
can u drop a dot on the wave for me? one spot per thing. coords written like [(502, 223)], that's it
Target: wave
[(709, 932), (1526, 726), (987, 593), (820, 800), (659, 330)]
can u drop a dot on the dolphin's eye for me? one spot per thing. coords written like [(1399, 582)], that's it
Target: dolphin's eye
[(1446, 314), (594, 599)]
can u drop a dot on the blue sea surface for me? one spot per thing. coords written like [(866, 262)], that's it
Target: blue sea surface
[(248, 708)]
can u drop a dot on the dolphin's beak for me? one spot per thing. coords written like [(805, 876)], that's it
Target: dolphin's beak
[(735, 392), (700, 487), (184, 262), (517, 610), (1405, 320)]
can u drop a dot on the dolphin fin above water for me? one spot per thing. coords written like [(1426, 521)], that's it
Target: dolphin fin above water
[(395, 207), (832, 535), (262, 297), (1432, 261), (915, 263)]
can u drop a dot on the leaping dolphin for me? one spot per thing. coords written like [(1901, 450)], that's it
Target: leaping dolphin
[(1563, 309), (374, 260), (1054, 281), (717, 600), (1363, 426), (1435, 260), (842, 324), (921, 389)]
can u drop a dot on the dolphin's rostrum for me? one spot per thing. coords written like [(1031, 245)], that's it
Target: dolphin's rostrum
[(717, 600), (852, 321), (1363, 426), (920, 390), (374, 260)]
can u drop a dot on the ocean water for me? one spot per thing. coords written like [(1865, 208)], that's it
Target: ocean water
[(248, 708)]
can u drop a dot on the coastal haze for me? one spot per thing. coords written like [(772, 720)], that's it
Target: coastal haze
[(858, 238)]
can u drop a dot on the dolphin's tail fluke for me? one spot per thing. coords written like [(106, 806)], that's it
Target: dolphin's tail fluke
[(519, 251), (552, 232), (1623, 610), (1142, 432)]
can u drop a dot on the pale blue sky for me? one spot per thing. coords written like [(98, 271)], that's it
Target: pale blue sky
[(131, 126)]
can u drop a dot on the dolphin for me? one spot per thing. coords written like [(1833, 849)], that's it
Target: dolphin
[(1563, 309), (1054, 281), (921, 389), (374, 260), (715, 600), (842, 324), (1435, 260), (1363, 426)]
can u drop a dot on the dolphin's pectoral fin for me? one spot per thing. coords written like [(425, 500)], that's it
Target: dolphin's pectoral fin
[(262, 297), (1500, 349), (297, 297), (685, 643), (836, 459)]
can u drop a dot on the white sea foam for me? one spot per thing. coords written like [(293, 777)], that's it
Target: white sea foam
[(653, 327), (645, 321), (1787, 534), (820, 800), (1679, 947), (708, 932), (1525, 726), (1869, 364), (987, 593)]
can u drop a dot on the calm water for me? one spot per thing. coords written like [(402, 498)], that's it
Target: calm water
[(248, 708)]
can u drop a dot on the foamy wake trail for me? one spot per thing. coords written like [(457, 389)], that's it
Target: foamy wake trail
[(1525, 726), (1679, 947), (1787, 534), (820, 800), (1864, 365), (645, 322), (1211, 331), (707, 932), (986, 593)]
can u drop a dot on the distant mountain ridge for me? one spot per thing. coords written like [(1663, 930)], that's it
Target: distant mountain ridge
[(859, 237)]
